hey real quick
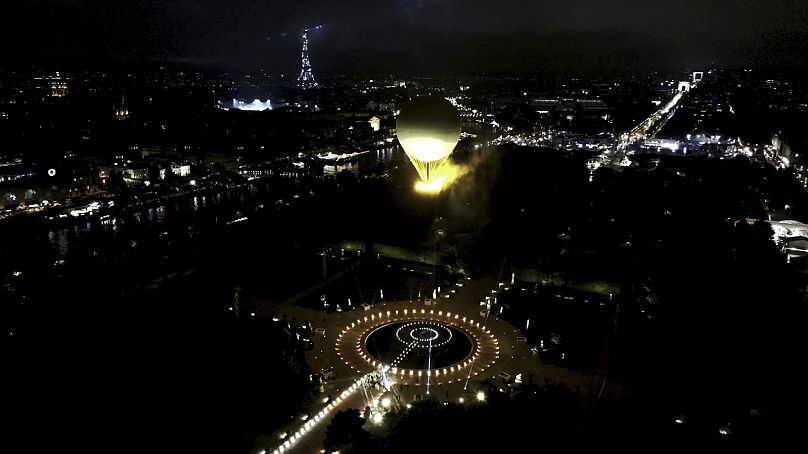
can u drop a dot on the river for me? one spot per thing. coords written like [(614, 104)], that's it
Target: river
[(272, 222)]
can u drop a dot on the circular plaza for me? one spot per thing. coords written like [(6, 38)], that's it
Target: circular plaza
[(417, 345)]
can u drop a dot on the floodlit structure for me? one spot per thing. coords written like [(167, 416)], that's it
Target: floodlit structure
[(428, 129), (306, 78), (256, 105), (375, 123)]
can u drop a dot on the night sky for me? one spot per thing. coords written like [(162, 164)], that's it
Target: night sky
[(412, 35)]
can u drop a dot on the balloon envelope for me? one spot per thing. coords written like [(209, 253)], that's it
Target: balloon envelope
[(428, 128)]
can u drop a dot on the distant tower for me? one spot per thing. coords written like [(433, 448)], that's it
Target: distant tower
[(122, 111), (306, 78)]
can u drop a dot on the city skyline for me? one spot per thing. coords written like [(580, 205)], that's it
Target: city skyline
[(273, 227)]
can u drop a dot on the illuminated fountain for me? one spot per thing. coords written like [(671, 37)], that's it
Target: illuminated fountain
[(428, 129), (424, 347), (419, 344)]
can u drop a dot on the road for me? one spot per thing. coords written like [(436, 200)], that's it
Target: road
[(647, 128)]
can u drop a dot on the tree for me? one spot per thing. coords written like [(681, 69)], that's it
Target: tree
[(346, 179), (345, 433), (116, 182)]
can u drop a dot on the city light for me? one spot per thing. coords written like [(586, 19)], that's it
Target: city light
[(177, 188)]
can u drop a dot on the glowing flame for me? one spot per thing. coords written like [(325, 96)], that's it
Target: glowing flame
[(427, 150), (431, 187)]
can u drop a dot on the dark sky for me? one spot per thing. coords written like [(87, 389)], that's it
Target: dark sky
[(412, 35)]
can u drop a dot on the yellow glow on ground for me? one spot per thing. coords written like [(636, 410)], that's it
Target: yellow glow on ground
[(431, 187)]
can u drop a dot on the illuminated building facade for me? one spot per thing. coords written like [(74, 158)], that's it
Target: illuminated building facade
[(256, 105)]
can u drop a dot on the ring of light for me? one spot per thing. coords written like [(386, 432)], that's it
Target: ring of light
[(432, 334), (351, 349), (406, 335), (441, 335)]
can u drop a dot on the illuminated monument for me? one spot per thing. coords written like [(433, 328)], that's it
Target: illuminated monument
[(306, 78), (428, 129)]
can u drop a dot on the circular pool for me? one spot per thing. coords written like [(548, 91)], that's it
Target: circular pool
[(419, 344)]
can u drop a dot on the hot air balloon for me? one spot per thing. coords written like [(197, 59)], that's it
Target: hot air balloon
[(428, 129)]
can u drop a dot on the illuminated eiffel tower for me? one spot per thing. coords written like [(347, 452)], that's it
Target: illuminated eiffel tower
[(306, 78)]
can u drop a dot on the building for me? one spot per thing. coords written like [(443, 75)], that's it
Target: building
[(132, 174), (375, 123), (53, 86), (796, 248)]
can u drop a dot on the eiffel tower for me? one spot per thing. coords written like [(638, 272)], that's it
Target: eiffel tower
[(306, 79)]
